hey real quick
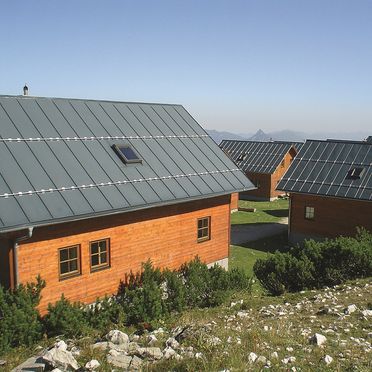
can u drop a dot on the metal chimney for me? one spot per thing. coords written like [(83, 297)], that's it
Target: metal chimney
[(25, 90)]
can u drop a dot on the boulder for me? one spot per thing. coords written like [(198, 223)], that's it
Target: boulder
[(350, 309), (120, 361), (58, 357), (172, 342), (117, 337), (367, 313), (136, 363), (168, 352), (261, 359), (31, 364), (152, 353)]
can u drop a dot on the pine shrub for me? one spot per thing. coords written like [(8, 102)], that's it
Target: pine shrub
[(65, 318), (20, 322)]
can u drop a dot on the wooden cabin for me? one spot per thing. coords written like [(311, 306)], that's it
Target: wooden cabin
[(264, 163), (330, 187), (89, 190)]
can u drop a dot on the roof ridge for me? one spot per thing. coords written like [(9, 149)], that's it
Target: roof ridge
[(88, 99)]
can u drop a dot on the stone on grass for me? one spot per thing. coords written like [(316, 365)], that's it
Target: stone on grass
[(290, 349), (318, 339), (367, 313), (151, 340), (120, 361), (328, 359), (290, 359), (31, 364), (152, 353), (252, 357), (136, 363), (274, 355), (261, 359), (168, 352), (173, 343), (350, 309), (2, 362), (92, 365), (117, 337), (57, 357)]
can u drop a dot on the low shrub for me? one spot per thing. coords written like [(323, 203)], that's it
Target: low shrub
[(105, 313), (317, 264), (20, 322), (65, 318)]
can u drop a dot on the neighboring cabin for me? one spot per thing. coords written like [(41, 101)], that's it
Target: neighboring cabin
[(330, 186), (264, 163), (90, 189)]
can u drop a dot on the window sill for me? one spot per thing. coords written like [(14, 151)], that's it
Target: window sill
[(99, 268), (68, 276)]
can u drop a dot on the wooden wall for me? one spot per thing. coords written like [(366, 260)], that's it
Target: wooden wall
[(234, 201), (166, 235), (5, 262), (279, 173), (333, 216)]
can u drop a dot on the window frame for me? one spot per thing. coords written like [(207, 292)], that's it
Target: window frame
[(311, 215), (108, 254), (70, 274), (123, 158), (208, 227)]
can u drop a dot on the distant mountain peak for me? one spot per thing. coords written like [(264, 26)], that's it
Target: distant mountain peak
[(260, 136)]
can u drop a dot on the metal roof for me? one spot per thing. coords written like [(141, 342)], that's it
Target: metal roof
[(57, 163), (324, 168), (256, 156)]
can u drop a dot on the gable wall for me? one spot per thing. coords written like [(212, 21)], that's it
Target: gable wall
[(333, 216), (279, 173), (167, 235)]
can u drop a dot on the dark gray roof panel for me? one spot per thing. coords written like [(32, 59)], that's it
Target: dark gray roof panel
[(321, 168), (259, 157), (58, 164)]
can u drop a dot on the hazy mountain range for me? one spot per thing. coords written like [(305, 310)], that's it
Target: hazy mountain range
[(286, 135)]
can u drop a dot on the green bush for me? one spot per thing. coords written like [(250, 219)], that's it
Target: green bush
[(142, 298), (175, 292), (65, 318), (19, 320), (105, 313), (317, 264)]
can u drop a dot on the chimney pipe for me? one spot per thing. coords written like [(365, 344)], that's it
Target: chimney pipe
[(25, 90)]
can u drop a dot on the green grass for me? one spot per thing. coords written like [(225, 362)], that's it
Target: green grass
[(244, 256), (265, 212)]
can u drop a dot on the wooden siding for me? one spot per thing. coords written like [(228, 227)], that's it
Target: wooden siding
[(166, 235), (333, 216), (6, 262), (234, 201)]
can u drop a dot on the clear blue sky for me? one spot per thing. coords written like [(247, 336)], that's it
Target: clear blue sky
[(236, 65)]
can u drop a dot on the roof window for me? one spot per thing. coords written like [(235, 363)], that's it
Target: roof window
[(127, 154), (355, 173)]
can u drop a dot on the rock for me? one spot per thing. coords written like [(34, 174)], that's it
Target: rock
[(290, 359), (265, 328), (367, 313), (151, 340), (198, 356), (133, 347), (104, 345), (350, 309), (136, 363), (92, 365), (32, 364), (261, 359), (2, 362), (120, 361), (61, 345), (152, 353), (114, 353), (328, 359), (318, 339), (274, 355), (172, 342), (252, 357), (242, 314), (290, 349), (117, 337), (58, 357), (214, 341), (168, 352)]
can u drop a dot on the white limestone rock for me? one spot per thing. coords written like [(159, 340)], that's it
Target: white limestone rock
[(120, 361), (350, 309), (328, 359), (92, 365), (58, 357), (318, 339), (252, 357), (117, 337), (173, 343)]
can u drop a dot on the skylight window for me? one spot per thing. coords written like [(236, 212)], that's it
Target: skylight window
[(355, 173), (127, 154)]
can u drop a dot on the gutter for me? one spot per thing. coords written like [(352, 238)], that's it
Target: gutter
[(15, 253)]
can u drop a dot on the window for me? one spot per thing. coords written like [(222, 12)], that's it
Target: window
[(309, 213), (204, 229), (355, 173), (69, 261), (127, 154), (99, 254)]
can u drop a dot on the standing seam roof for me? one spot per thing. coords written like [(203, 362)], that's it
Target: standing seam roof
[(57, 162)]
